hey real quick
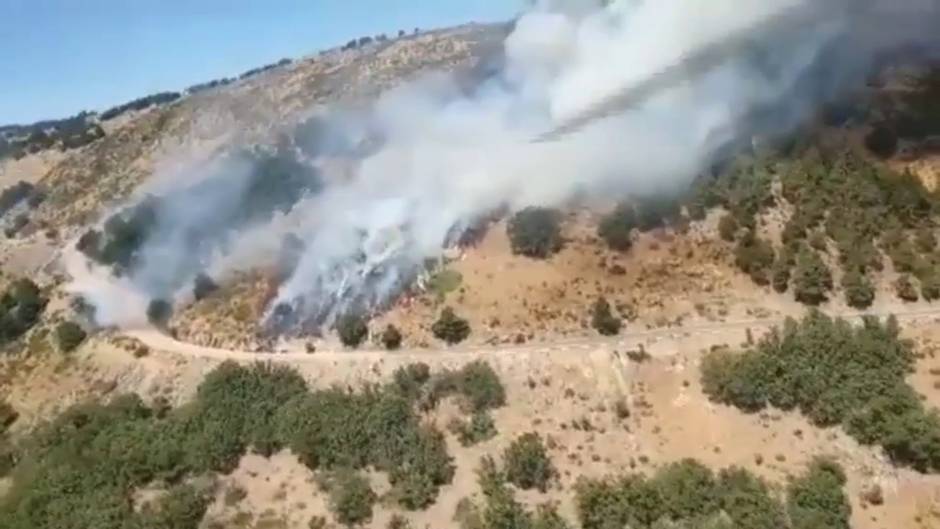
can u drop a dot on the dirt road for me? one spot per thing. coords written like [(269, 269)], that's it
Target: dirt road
[(699, 332)]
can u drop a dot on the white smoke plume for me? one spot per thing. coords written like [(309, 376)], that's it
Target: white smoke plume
[(429, 157)]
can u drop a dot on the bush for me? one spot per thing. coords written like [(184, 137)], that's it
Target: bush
[(351, 498), (727, 227), (203, 287), (8, 416), (85, 465), (535, 232), (755, 257), (450, 328), (657, 210), (686, 488), (812, 279), (20, 308), (905, 288), (159, 312), (616, 228), (69, 335), (834, 374), (480, 428), (603, 320), (930, 286), (859, 292), (527, 464), (817, 499), (391, 337), (352, 330), (882, 141), (476, 383), (681, 494), (780, 274)]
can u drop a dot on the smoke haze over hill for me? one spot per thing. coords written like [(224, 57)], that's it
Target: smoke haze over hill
[(656, 89)]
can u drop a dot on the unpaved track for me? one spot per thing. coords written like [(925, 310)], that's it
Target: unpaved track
[(163, 342)]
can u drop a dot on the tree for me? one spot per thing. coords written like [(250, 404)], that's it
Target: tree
[(535, 232), (780, 274), (905, 288), (391, 337), (159, 312), (351, 498), (657, 210), (930, 285), (203, 286), (450, 328), (616, 228), (812, 279), (352, 329), (859, 292), (603, 320), (755, 257), (527, 464), (817, 499), (69, 335), (727, 227), (882, 141)]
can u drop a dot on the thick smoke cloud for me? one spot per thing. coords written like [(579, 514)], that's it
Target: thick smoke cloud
[(667, 84)]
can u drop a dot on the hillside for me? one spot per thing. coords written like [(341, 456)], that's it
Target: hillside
[(643, 360)]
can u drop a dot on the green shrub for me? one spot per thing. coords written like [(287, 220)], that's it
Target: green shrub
[(834, 373), (535, 232), (748, 501), (159, 312), (727, 227), (686, 488), (479, 428), (905, 288), (351, 498), (657, 210), (817, 499), (182, 508), (477, 385), (527, 464), (925, 240), (930, 285), (21, 305), (444, 282), (203, 287), (859, 292), (755, 257), (882, 141), (8, 416), (84, 466), (69, 335), (812, 279), (450, 328), (603, 320), (391, 337), (353, 329), (616, 228), (780, 274), (682, 494)]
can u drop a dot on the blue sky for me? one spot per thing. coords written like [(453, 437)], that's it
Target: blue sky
[(63, 56)]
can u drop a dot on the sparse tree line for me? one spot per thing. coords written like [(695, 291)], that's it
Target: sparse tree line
[(680, 494), (81, 469), (353, 44), (17, 141), (141, 103), (845, 210)]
